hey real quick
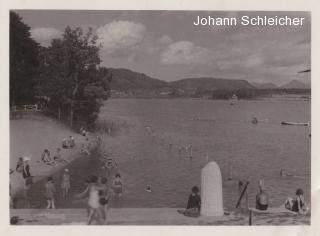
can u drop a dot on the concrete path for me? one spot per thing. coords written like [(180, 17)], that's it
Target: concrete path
[(149, 216)]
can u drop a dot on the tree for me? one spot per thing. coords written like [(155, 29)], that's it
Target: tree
[(23, 62), (73, 80)]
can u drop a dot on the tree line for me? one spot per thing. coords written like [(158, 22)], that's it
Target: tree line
[(65, 78)]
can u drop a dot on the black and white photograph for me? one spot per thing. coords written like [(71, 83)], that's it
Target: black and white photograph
[(159, 117)]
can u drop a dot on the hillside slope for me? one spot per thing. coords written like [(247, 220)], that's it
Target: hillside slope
[(207, 83), (124, 79)]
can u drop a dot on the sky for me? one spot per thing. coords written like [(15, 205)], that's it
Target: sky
[(168, 46)]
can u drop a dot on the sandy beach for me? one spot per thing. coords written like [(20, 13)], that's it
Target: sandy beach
[(29, 137)]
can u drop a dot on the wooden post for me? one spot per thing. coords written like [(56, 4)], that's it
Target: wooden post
[(250, 217), (241, 195), (247, 203)]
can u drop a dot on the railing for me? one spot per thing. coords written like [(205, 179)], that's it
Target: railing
[(32, 107)]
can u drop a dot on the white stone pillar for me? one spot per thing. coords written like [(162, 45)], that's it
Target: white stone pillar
[(211, 190)]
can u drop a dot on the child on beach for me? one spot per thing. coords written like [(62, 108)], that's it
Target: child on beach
[(50, 192), (117, 185), (65, 183), (71, 142), (193, 205), (104, 195), (64, 143), (298, 204)]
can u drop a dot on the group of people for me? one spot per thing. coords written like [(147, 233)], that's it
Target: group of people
[(99, 194), (23, 168), (70, 143), (297, 204), (56, 159), (50, 189)]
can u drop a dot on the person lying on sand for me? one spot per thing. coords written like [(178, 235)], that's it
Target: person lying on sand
[(298, 204), (58, 159), (193, 205)]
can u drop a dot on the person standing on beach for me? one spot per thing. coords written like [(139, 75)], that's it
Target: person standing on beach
[(27, 179), (94, 201), (19, 166), (117, 185), (50, 193), (65, 183), (104, 195)]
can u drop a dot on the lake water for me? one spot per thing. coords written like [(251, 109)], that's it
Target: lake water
[(215, 129)]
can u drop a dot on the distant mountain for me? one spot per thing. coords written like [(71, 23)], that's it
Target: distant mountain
[(208, 83), (295, 84), (124, 79), (264, 85)]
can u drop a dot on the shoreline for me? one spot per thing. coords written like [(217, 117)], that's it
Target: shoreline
[(151, 216)]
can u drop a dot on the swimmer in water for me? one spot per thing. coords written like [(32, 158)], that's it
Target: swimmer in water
[(148, 189)]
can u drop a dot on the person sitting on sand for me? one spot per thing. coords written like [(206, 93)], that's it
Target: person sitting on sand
[(65, 183), (19, 165), (83, 132), (71, 142), (193, 205), (45, 157), (117, 185), (65, 144), (50, 193), (298, 204), (262, 199)]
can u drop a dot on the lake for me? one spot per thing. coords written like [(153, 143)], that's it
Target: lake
[(215, 129)]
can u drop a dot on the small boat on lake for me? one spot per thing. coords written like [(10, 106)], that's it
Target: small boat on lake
[(295, 123)]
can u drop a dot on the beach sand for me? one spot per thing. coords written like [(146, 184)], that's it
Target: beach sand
[(29, 137)]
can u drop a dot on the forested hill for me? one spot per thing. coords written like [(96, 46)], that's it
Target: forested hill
[(124, 79), (208, 83)]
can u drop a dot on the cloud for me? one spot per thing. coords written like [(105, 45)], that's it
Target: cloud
[(45, 35), (185, 53), (121, 38)]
